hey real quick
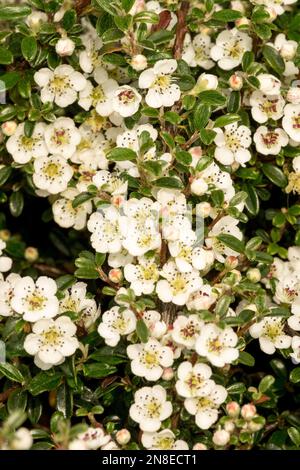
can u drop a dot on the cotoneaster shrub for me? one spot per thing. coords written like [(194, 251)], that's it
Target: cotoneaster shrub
[(150, 234)]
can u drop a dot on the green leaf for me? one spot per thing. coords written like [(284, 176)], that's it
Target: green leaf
[(295, 375), (64, 400), (226, 15), (6, 56), (274, 174), (14, 12), (248, 59), (201, 115), (212, 97), (8, 80), (69, 19), (266, 383), (246, 359), (29, 48), (11, 372), (120, 154), (168, 182), (98, 370), (16, 203), (294, 435), (252, 200), (127, 5), (273, 59), (5, 173), (222, 305), (207, 136), (142, 330), (81, 199), (227, 119), (17, 400), (232, 242), (236, 388), (44, 382), (183, 157), (108, 6), (234, 102), (64, 282)]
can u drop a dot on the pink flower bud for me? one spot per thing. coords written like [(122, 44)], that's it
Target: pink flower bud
[(221, 438), (235, 82), (64, 47), (168, 374), (9, 128), (123, 437), (115, 275), (248, 411), (199, 446), (233, 409)]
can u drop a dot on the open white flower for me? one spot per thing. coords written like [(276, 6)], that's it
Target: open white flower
[(194, 381), (270, 332), (6, 294), (186, 254), (202, 299), (230, 48), (89, 57), (217, 345), (270, 141), (76, 300), (115, 323), (150, 408), (23, 148), (264, 107), (295, 344), (130, 138), (142, 276), (110, 182), (51, 341), (162, 91), (196, 52), (226, 225), (149, 359), (106, 235), (52, 173), (61, 85), (186, 330), (62, 137), (156, 327), (212, 177), (126, 101), (65, 215), (268, 84), (163, 440), (205, 408), (177, 286), (232, 144), (291, 121), (35, 300), (91, 439)]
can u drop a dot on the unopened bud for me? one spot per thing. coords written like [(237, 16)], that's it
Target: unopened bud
[(238, 6), (254, 275), (229, 426), (139, 62), (248, 411), (288, 50), (203, 209), (293, 95), (272, 14), (254, 427), (242, 23), (199, 446), (221, 438), (233, 409), (123, 437), (5, 235), (231, 262), (65, 47), (31, 254), (168, 374), (22, 440), (9, 128), (236, 82), (115, 275)]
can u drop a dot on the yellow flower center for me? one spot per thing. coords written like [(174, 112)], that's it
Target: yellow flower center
[(51, 336), (162, 82), (35, 301), (52, 170)]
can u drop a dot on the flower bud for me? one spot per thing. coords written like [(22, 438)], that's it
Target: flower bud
[(203, 209), (199, 446), (288, 50), (231, 262), (233, 409), (229, 426), (237, 274), (9, 128), (221, 437), (31, 254), (123, 437), (254, 427), (5, 235), (238, 6), (207, 81), (236, 82), (254, 275), (22, 440), (35, 20), (242, 23), (272, 14), (248, 411), (293, 95), (65, 47), (196, 153), (115, 275), (139, 62), (5, 264), (168, 374), (198, 186)]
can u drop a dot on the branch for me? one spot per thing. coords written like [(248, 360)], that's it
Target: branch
[(164, 21), (80, 6), (181, 29)]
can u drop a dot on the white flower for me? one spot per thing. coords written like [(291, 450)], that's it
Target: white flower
[(226, 225), (89, 58), (23, 148), (126, 101), (64, 47), (5, 261), (270, 141), (52, 174), (35, 300), (116, 322), (217, 345), (212, 178), (268, 84), (51, 341), (6, 293), (62, 137), (142, 276), (162, 91), (186, 330), (270, 332), (91, 439), (230, 48), (187, 256), (203, 299), (264, 107), (232, 144), (76, 300), (197, 52), (150, 408), (149, 359), (291, 121), (106, 235), (177, 286), (65, 215), (61, 85), (162, 440), (101, 97), (110, 182), (193, 381), (130, 138), (22, 440), (295, 344), (156, 327), (121, 258), (286, 48), (205, 408)]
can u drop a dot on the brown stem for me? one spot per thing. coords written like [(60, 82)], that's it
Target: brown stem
[(80, 6), (181, 29), (164, 21), (191, 140), (105, 278), (5, 395)]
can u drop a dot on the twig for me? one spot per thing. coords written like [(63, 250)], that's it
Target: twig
[(164, 21), (5, 395), (181, 29), (80, 6)]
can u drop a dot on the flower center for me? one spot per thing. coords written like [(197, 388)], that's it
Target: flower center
[(194, 381), (165, 443), (232, 142), (154, 408), (35, 301), (52, 170), (150, 359), (272, 331), (162, 82), (59, 82), (296, 122), (150, 272), (126, 96), (51, 336), (269, 107), (270, 139), (235, 50), (178, 284), (97, 95), (215, 345), (28, 142), (60, 137)]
